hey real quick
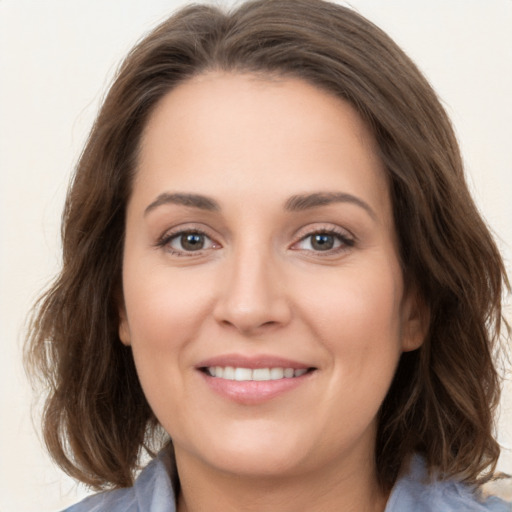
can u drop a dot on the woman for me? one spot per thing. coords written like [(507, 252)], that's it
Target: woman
[(274, 276)]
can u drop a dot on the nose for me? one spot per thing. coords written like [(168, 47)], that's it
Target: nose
[(252, 295)]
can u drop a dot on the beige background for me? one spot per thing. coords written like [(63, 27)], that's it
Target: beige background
[(56, 59)]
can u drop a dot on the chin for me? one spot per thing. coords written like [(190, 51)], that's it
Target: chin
[(260, 464), (259, 453)]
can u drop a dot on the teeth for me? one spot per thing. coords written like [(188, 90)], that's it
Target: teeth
[(243, 374), (288, 373), (276, 373), (258, 374), (228, 373)]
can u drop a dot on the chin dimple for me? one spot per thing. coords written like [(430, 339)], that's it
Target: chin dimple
[(254, 374)]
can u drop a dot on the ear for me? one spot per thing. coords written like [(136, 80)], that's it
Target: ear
[(415, 321), (124, 329)]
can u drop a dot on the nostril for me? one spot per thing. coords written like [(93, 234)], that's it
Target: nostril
[(248, 323)]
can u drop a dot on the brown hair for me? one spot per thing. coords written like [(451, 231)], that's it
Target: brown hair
[(442, 399)]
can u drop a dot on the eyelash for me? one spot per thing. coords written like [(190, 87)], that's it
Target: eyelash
[(346, 241), (165, 241)]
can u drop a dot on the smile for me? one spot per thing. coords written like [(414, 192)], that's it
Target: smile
[(254, 374), (256, 379)]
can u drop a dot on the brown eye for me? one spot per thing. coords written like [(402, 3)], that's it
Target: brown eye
[(322, 241), (325, 241), (192, 241), (188, 241)]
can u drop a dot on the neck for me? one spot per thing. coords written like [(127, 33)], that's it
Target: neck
[(353, 489)]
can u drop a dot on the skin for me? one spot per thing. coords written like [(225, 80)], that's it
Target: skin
[(261, 286)]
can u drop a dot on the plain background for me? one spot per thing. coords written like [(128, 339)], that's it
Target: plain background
[(56, 60)]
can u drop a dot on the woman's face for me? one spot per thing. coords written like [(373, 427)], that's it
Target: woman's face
[(263, 297)]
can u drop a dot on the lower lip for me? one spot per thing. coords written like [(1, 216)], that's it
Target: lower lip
[(252, 392)]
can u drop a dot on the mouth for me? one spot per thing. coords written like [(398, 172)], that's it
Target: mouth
[(254, 374), (254, 380)]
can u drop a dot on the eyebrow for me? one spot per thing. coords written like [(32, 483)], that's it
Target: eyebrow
[(193, 200), (303, 202), (296, 203)]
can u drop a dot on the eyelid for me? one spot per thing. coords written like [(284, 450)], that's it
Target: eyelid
[(348, 240), (173, 233)]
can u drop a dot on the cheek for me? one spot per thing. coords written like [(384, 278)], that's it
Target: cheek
[(165, 311), (356, 315), (164, 316), (160, 303)]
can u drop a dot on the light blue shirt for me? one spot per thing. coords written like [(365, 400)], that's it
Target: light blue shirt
[(153, 492)]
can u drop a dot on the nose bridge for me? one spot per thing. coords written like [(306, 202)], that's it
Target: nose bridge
[(251, 296)]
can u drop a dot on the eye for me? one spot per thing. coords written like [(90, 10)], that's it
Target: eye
[(185, 242), (324, 241)]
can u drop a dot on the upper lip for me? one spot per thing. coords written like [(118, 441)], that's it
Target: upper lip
[(252, 362)]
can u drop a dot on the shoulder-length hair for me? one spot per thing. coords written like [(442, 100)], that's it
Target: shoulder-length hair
[(442, 400)]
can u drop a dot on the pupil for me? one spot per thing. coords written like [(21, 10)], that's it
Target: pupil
[(323, 242), (192, 241)]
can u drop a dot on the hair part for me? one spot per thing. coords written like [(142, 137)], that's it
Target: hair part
[(442, 400)]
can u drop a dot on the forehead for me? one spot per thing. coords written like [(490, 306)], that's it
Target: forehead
[(223, 131)]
